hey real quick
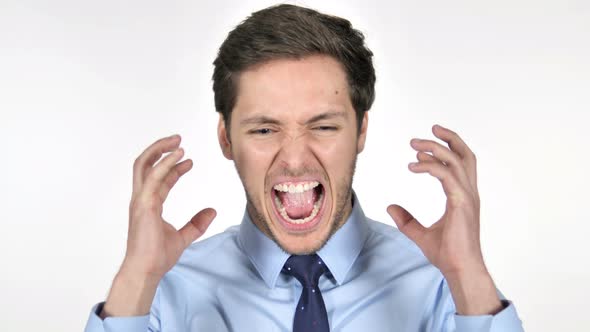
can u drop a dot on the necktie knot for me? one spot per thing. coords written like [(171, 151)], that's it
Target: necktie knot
[(305, 268)]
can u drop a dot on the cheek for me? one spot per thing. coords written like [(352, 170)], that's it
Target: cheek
[(336, 155), (252, 161)]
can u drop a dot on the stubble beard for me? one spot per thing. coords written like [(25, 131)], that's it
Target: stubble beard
[(343, 209)]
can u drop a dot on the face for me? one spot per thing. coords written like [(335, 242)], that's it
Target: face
[(294, 141)]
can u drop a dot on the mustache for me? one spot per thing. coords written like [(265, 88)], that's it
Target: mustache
[(300, 172)]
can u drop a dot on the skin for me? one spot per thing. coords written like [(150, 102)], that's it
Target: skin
[(153, 245), (290, 93), (452, 243), (273, 139)]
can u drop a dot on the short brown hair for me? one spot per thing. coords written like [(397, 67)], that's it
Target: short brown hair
[(289, 31)]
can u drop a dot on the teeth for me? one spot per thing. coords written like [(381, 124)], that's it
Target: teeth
[(314, 212), (298, 188)]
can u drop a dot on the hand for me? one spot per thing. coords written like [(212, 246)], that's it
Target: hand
[(153, 245), (452, 243)]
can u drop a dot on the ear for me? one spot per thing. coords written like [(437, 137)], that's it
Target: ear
[(363, 133), (222, 136)]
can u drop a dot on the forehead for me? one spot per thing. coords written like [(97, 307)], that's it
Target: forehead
[(293, 87)]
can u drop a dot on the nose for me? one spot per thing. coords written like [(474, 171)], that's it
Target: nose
[(295, 152)]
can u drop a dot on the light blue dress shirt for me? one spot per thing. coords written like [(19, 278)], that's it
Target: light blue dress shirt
[(379, 281)]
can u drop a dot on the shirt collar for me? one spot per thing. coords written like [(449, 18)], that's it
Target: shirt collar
[(339, 253), (266, 256), (342, 249)]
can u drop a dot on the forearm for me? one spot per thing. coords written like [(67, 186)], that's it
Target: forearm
[(130, 295), (474, 293)]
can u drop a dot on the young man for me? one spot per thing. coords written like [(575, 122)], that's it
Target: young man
[(293, 87)]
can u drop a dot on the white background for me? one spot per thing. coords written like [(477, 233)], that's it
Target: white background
[(85, 86)]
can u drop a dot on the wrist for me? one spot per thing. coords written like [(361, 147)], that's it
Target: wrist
[(474, 292), (131, 295), (132, 274)]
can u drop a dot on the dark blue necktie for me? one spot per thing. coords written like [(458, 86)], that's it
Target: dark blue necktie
[(310, 314)]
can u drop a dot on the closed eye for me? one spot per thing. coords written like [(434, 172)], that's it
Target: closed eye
[(326, 128), (261, 131)]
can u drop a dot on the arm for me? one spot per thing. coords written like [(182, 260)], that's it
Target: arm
[(452, 244), (153, 245), (130, 295), (445, 318)]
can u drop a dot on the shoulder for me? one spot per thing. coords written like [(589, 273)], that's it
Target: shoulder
[(387, 248), (194, 281), (219, 249), (208, 260), (204, 266), (397, 260), (215, 244), (381, 234)]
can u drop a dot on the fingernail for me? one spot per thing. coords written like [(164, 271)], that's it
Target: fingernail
[(412, 165), (173, 136)]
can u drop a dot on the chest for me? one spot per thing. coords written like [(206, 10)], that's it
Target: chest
[(364, 304)]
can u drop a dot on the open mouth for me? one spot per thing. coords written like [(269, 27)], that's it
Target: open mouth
[(298, 204)]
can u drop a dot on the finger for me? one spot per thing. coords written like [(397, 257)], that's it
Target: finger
[(407, 224), (154, 178), (445, 155), (149, 156), (423, 156), (459, 146), (197, 226), (450, 185), (175, 173), (156, 159)]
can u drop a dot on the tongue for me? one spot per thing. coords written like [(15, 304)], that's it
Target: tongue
[(298, 205)]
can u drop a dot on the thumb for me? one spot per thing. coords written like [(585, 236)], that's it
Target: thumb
[(197, 226), (406, 223)]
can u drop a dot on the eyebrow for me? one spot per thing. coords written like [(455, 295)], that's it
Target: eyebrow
[(263, 119), (260, 119), (326, 116)]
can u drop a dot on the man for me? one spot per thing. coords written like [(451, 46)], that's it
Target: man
[(293, 87)]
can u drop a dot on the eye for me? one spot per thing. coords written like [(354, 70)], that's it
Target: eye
[(326, 128), (261, 131)]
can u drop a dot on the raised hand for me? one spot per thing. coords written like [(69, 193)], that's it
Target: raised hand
[(153, 245), (452, 244)]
